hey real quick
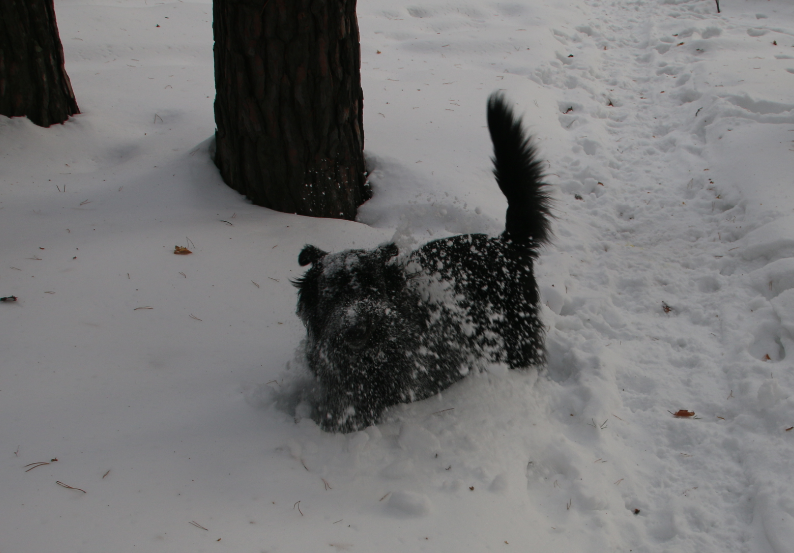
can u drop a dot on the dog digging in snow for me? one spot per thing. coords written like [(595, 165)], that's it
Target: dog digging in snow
[(384, 328)]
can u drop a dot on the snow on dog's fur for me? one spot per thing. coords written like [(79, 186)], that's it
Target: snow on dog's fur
[(384, 328)]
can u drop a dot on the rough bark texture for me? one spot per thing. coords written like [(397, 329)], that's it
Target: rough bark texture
[(33, 80), (289, 104)]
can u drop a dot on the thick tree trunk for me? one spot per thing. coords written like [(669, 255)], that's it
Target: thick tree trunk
[(33, 80), (288, 104)]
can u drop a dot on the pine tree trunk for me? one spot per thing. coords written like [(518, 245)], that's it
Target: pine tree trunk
[(288, 104), (33, 80)]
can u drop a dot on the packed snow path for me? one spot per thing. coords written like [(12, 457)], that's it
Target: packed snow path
[(160, 383), (667, 231)]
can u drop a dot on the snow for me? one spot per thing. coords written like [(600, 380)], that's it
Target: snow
[(162, 383)]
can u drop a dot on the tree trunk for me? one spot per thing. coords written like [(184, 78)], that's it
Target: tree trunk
[(33, 80), (288, 104)]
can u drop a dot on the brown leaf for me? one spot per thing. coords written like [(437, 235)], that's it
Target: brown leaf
[(179, 250), (683, 413)]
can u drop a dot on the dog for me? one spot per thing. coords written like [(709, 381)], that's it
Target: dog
[(384, 328)]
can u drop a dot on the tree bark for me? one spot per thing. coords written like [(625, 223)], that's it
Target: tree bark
[(33, 80), (288, 104)]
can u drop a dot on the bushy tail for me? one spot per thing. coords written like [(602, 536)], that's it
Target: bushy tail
[(519, 175)]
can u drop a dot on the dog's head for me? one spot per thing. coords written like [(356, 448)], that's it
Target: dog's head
[(347, 296), (362, 332)]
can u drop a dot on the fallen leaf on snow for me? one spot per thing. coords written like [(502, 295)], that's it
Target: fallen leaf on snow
[(179, 250)]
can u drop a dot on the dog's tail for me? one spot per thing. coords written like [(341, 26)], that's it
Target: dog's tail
[(519, 175)]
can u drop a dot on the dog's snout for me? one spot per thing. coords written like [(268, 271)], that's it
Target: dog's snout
[(357, 336), (361, 324)]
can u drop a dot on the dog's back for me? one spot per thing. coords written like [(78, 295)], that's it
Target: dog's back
[(492, 295), (492, 279)]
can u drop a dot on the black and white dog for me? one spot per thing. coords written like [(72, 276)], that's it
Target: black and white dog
[(385, 329)]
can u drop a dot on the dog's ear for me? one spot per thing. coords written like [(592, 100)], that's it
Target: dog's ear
[(388, 251), (310, 254)]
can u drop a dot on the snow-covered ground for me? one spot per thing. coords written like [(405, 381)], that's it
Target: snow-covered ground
[(157, 380)]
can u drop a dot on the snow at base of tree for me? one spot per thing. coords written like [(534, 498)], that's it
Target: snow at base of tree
[(161, 391)]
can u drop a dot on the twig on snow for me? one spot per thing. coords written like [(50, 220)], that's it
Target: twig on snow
[(61, 484), (35, 465), (602, 426)]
